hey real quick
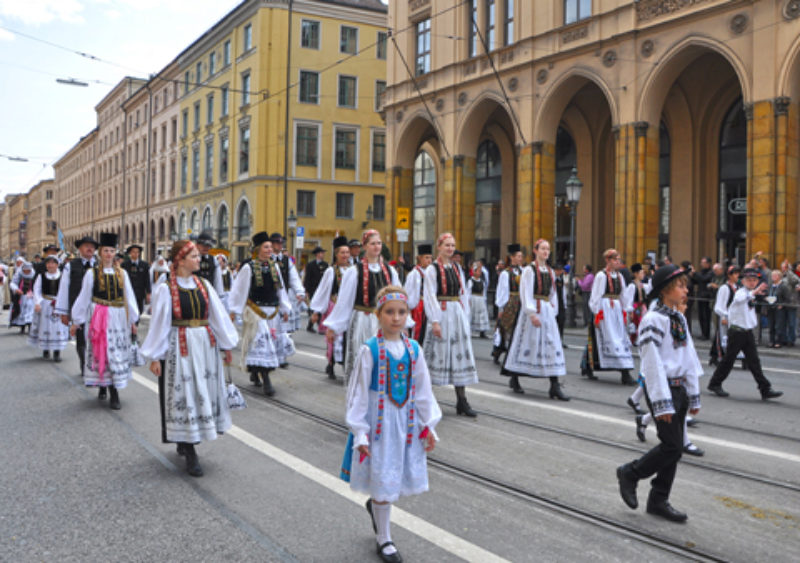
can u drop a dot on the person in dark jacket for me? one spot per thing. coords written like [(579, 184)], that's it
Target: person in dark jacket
[(313, 274), (139, 275), (704, 294)]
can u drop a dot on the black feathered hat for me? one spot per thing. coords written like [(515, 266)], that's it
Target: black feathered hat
[(661, 279), (109, 239), (514, 248), (338, 242), (260, 238), (636, 268), (424, 249)]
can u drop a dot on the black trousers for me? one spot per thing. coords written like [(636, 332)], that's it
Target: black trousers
[(80, 345), (745, 341), (704, 317), (662, 460)]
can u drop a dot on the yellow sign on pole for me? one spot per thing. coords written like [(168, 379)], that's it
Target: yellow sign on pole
[(403, 218)]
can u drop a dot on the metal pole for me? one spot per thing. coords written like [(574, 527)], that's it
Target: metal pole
[(286, 125), (571, 316)]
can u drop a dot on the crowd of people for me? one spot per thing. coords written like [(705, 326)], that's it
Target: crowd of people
[(397, 330)]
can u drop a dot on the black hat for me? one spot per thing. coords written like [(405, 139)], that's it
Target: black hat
[(49, 247), (51, 258), (276, 237), (317, 250), (109, 239), (131, 247), (458, 253), (662, 277), (636, 268), (751, 273), (260, 238), (338, 242), (514, 248), (354, 242), (87, 239), (424, 249), (206, 239)]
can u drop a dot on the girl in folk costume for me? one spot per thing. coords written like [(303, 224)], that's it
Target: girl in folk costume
[(357, 293), (21, 287), (635, 295), (476, 288), (609, 347), (324, 300), (51, 335), (392, 413), (536, 349), (414, 288), (259, 295), (190, 334), (448, 345), (107, 306), (507, 300), (227, 278)]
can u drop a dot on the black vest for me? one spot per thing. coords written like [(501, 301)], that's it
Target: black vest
[(513, 279), (139, 275), (377, 281), (613, 286), (335, 284), (283, 266), (453, 285), (50, 287), (76, 272), (207, 268), (193, 305), (547, 282), (112, 292), (477, 287), (267, 294)]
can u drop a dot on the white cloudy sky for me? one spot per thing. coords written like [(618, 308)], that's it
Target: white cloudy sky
[(40, 119)]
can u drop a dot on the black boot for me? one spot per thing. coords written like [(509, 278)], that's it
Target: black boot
[(46, 354), (269, 390), (588, 373), (329, 371), (627, 485), (462, 406), (114, 401), (496, 352), (254, 378), (482, 334), (555, 390), (513, 382), (192, 461), (626, 378), (56, 356), (664, 509), (181, 449), (102, 394)]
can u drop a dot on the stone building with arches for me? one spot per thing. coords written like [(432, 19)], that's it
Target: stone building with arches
[(680, 117)]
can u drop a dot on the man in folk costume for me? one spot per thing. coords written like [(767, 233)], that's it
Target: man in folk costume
[(324, 300), (414, 287), (355, 251), (209, 270), (294, 285), (139, 274), (70, 288), (259, 295), (312, 278), (507, 301), (609, 347)]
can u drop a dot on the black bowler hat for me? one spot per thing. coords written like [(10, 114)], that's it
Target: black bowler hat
[(109, 239), (751, 273), (317, 250), (662, 277), (514, 248), (276, 237), (354, 242), (206, 239), (260, 238), (424, 249), (339, 242), (50, 247), (86, 240), (131, 247)]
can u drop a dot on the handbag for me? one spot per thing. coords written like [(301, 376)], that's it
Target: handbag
[(236, 401)]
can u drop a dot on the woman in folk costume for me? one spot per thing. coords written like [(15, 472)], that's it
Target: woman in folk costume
[(227, 278), (507, 300), (51, 335), (476, 289), (324, 300), (535, 349), (392, 414), (357, 292), (609, 347), (107, 306), (189, 337), (414, 287), (448, 344), (259, 295), (21, 286)]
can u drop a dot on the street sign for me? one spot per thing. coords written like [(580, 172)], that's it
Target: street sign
[(402, 235), (403, 218), (301, 233)]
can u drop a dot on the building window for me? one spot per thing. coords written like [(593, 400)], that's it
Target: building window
[(196, 116), (184, 123), (380, 46), (244, 150), (379, 151), (509, 23), (576, 10), (309, 87), (226, 53), (184, 172), (306, 203), (222, 223), (224, 95), (163, 179), (380, 89), (309, 34), (198, 73), (172, 176), (186, 82), (246, 88), (423, 47), (163, 140), (195, 168), (209, 163), (344, 206), (346, 149), (490, 24), (347, 91), (348, 40), (307, 143), (248, 37), (224, 145), (210, 110), (472, 26), (174, 130), (378, 208), (212, 63), (424, 220), (49, 211)]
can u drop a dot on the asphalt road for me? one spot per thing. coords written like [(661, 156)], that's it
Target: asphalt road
[(530, 480)]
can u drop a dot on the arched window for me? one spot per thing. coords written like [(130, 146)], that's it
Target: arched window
[(207, 223), (243, 221), (664, 150), (424, 231), (488, 190), (733, 184), (566, 160), (172, 226), (182, 226), (193, 224), (161, 226), (141, 231), (127, 234), (222, 224)]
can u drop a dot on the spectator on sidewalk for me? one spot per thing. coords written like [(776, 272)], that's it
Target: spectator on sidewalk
[(790, 329), (704, 294), (585, 287)]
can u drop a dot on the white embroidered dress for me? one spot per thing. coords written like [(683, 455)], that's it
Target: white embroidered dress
[(47, 330), (613, 343)]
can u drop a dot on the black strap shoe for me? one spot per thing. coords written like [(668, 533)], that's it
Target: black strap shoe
[(627, 485), (640, 428), (691, 449), (636, 408), (389, 557), (666, 510)]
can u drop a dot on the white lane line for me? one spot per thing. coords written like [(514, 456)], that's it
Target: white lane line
[(424, 529)]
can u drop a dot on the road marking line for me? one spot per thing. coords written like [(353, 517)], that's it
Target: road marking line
[(424, 529)]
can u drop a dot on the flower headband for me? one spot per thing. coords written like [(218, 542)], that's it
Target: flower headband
[(397, 296), (367, 234), (442, 238), (187, 248)]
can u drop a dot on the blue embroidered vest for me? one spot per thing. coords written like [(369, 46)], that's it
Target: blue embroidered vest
[(399, 371)]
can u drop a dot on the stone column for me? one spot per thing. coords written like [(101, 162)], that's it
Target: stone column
[(456, 204), (544, 193), (786, 155), (761, 177), (525, 193)]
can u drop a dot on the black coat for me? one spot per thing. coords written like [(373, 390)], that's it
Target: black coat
[(139, 275), (313, 276)]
